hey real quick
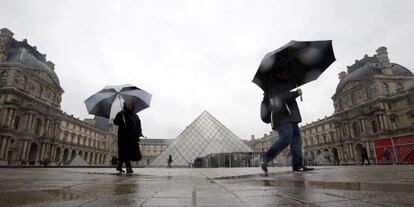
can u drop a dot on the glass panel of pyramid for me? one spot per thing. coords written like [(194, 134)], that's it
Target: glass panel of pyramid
[(205, 135)]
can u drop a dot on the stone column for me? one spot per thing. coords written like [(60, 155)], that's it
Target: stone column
[(5, 155), (381, 125), (42, 151), (10, 117), (3, 147), (368, 149), (24, 146), (364, 129), (28, 150), (5, 116)]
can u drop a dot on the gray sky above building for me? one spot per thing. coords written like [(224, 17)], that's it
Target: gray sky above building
[(202, 55)]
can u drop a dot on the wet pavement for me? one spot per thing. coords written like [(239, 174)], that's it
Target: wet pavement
[(326, 186)]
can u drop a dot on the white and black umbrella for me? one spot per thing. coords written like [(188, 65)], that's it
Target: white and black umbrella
[(102, 103)]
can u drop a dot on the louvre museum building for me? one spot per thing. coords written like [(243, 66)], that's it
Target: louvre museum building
[(33, 128)]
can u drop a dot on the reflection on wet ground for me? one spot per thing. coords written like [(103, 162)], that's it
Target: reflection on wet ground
[(332, 186)]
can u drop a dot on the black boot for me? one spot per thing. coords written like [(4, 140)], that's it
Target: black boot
[(119, 168), (129, 167)]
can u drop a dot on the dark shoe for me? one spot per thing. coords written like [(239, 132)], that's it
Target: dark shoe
[(303, 169), (129, 171), (120, 169), (263, 165)]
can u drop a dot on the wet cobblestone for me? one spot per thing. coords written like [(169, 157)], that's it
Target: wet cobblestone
[(327, 186)]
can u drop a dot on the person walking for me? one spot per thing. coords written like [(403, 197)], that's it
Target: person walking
[(170, 160), (129, 133), (285, 116), (364, 155), (387, 154)]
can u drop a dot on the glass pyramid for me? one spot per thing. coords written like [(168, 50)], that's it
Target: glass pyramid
[(204, 136)]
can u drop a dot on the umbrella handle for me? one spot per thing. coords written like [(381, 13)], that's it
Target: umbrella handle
[(301, 99), (123, 116)]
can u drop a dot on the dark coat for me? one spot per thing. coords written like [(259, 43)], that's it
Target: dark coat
[(128, 135), (285, 108)]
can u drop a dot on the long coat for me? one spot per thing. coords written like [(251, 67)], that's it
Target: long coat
[(128, 135)]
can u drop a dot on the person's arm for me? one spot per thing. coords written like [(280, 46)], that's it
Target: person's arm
[(288, 96), (118, 119)]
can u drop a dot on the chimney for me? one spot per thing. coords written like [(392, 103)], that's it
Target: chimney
[(342, 75), (384, 61), (6, 37), (51, 65), (6, 33)]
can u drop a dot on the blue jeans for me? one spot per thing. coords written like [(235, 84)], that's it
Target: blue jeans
[(289, 134)]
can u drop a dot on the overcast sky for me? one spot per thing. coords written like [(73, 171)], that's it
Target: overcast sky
[(202, 55)]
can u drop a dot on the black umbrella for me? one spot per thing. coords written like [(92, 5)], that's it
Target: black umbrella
[(302, 61), (102, 103)]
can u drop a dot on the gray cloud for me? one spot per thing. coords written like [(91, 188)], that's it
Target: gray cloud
[(201, 55)]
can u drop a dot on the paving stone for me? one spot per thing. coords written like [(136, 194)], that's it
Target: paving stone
[(327, 186)]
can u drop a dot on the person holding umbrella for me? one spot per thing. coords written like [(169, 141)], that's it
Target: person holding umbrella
[(285, 116), (280, 71), (125, 117), (129, 133)]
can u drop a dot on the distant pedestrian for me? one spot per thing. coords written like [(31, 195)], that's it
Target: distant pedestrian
[(169, 161), (129, 133), (387, 154), (285, 116), (364, 154)]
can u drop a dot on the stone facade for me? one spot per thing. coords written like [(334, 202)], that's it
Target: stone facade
[(32, 124), (151, 148), (373, 100)]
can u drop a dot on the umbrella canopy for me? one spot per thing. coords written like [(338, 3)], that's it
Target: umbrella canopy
[(302, 61), (102, 103)]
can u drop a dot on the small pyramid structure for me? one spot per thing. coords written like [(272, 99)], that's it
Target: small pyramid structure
[(78, 161), (205, 135)]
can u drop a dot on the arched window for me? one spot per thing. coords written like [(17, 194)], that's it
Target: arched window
[(355, 128), (16, 122), (374, 126), (38, 125), (23, 83), (40, 92), (3, 78), (385, 88), (400, 87)]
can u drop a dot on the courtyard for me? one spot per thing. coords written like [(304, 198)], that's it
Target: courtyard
[(388, 185)]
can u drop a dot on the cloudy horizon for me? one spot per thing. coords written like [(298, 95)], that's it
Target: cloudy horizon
[(202, 55)]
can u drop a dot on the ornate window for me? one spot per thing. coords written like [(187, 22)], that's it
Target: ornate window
[(40, 92), (374, 126), (3, 78), (400, 87), (38, 125), (385, 88), (393, 122), (23, 83), (16, 122), (355, 128)]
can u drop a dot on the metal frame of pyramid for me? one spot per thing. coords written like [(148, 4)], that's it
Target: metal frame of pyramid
[(205, 135)]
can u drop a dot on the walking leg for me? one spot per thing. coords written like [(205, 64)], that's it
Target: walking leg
[(128, 166), (285, 138), (119, 167), (296, 148)]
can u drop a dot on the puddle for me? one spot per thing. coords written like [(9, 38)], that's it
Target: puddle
[(17, 198), (352, 186)]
